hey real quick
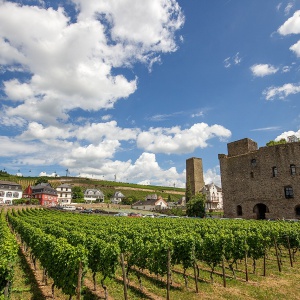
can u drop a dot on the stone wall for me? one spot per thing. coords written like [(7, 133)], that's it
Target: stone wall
[(250, 181)]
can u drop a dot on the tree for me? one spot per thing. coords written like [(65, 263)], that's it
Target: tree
[(196, 206), (77, 192), (273, 143), (41, 180)]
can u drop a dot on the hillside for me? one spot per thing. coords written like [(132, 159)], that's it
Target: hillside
[(130, 190)]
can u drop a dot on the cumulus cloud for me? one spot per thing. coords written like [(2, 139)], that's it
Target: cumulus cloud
[(281, 92), (213, 176), (95, 132), (292, 25), (287, 134), (70, 65), (56, 64), (261, 70), (177, 140)]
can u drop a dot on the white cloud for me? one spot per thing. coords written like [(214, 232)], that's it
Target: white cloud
[(281, 92), (286, 69), (37, 131), (69, 65), (234, 60), (288, 8), (271, 128), (95, 132), (261, 70), (106, 117), (213, 176), (12, 147), (286, 134), (292, 25), (175, 140), (7, 121), (226, 62), (296, 48), (42, 174), (17, 91)]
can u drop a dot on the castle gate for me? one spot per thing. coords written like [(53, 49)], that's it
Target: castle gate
[(260, 210)]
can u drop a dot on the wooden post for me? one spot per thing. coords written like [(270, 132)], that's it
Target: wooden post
[(78, 291), (277, 255), (196, 277), (124, 276), (289, 247), (168, 274), (223, 270), (264, 273), (246, 266)]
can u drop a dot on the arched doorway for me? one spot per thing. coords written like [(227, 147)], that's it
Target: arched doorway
[(260, 210)]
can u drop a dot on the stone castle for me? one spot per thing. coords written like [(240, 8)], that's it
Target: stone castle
[(261, 183)]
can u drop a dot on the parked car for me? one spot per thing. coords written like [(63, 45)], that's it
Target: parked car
[(121, 214), (149, 216), (134, 215), (69, 207), (87, 211)]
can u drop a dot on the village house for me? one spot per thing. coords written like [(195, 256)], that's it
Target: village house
[(214, 197), (9, 191), (44, 192), (117, 198), (93, 195), (152, 202), (64, 194)]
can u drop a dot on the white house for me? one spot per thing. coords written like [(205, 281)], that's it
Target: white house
[(117, 198), (9, 191), (64, 193), (214, 197), (154, 203), (93, 195)]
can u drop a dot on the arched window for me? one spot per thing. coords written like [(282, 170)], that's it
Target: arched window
[(239, 210)]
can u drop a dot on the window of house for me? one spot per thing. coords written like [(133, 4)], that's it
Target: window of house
[(239, 210), (297, 210), (274, 171), (251, 174), (293, 169), (253, 162), (288, 192)]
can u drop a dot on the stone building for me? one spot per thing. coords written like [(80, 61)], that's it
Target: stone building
[(194, 175), (261, 183)]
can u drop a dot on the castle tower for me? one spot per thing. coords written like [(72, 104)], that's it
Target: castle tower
[(194, 175)]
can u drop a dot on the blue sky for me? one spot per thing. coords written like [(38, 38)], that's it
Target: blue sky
[(128, 90)]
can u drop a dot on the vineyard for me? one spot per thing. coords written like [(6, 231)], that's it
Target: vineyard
[(177, 256)]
